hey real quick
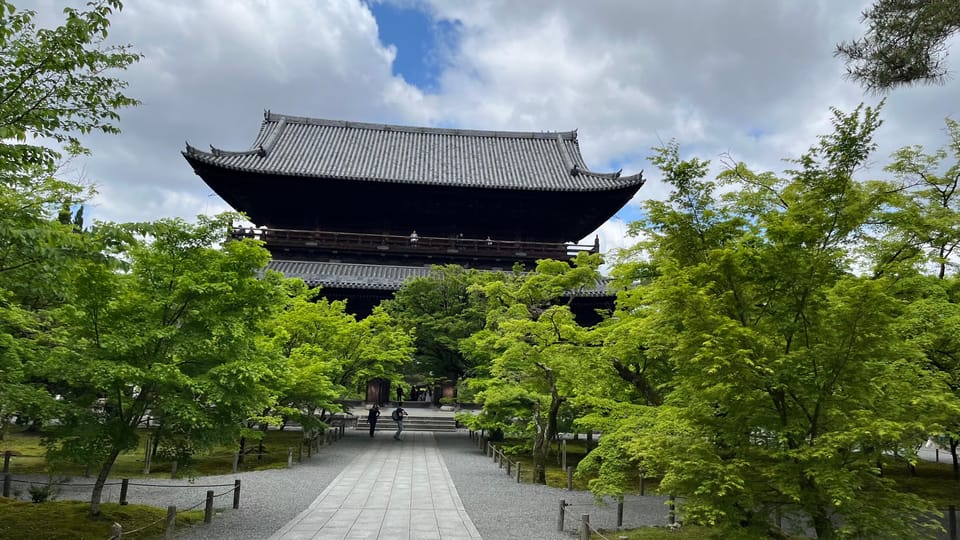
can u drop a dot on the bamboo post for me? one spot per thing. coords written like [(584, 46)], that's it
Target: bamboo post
[(124, 485), (569, 478), (563, 507), (208, 508), (236, 494), (584, 526), (171, 523)]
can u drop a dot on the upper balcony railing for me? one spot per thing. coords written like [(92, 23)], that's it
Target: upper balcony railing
[(415, 245)]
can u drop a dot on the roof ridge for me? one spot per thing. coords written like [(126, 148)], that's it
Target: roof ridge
[(270, 116)]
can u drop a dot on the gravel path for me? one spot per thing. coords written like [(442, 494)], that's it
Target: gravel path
[(268, 499), (498, 506), (501, 508)]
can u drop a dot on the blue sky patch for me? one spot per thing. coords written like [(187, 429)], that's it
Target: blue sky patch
[(421, 42), (630, 213)]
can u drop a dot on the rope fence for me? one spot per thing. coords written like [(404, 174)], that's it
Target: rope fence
[(311, 445)]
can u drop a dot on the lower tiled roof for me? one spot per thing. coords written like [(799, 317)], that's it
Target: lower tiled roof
[(374, 276), (349, 275)]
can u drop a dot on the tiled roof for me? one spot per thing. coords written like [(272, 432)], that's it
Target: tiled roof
[(373, 276), (310, 147), (348, 275)]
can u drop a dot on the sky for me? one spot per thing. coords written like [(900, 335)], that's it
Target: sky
[(749, 80)]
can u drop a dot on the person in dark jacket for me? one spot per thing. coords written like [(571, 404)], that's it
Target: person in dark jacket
[(372, 417)]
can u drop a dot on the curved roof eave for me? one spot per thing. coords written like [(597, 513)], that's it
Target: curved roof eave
[(634, 180), (513, 165)]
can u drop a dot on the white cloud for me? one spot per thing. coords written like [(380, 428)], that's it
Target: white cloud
[(751, 78)]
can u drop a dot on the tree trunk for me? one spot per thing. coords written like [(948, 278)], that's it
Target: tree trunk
[(243, 444), (101, 480), (546, 432), (539, 455), (823, 524), (956, 462)]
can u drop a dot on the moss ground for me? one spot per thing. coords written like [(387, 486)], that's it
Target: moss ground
[(28, 457), (71, 520)]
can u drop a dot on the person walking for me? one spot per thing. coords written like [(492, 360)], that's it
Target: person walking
[(399, 394), (372, 417), (398, 415)]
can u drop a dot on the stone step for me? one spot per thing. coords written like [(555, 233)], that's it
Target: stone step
[(411, 423)]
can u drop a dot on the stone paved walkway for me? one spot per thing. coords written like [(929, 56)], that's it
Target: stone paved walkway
[(394, 490)]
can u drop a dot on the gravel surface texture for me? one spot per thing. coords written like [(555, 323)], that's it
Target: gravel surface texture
[(500, 508), (268, 499)]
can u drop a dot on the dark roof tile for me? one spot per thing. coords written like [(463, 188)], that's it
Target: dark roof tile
[(373, 276), (310, 147)]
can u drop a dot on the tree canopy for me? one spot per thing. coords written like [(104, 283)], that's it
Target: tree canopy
[(905, 43)]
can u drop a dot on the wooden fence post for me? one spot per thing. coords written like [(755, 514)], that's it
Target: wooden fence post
[(116, 532), (124, 485), (620, 514), (563, 507), (518, 472), (584, 526), (563, 453), (173, 469), (642, 478), (208, 508), (290, 457), (952, 521), (236, 494), (509, 473), (6, 473), (171, 523)]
